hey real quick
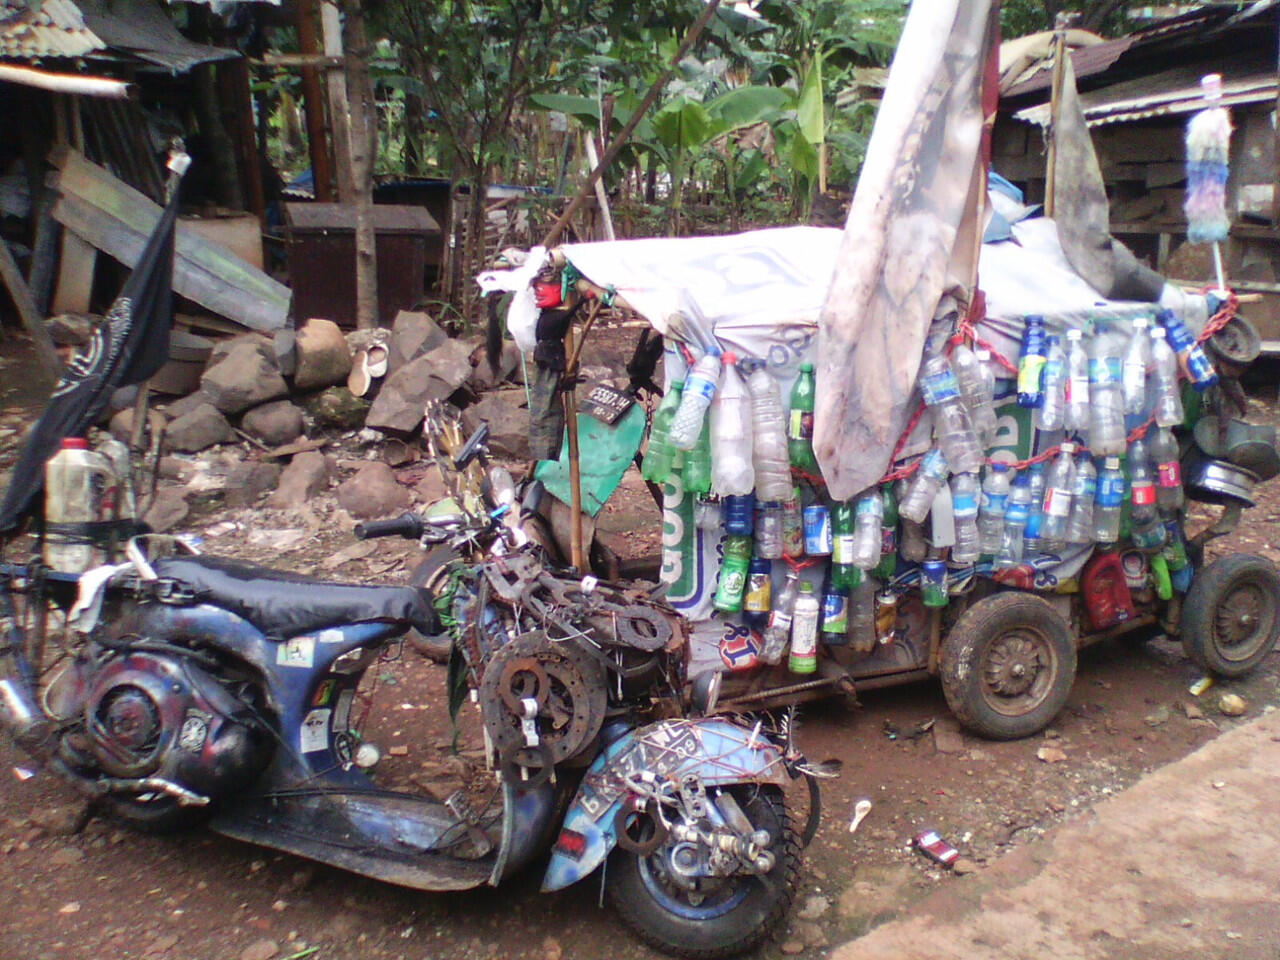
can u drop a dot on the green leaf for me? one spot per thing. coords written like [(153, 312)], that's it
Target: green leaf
[(582, 108), (746, 106), (809, 112), (804, 159), (683, 125)]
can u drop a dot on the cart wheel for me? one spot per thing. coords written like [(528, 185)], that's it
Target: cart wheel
[(1231, 619), (1008, 665)]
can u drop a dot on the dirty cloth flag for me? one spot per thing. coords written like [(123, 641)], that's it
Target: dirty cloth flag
[(910, 238), (128, 347)]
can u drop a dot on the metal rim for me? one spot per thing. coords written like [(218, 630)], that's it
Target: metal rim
[(1244, 619), (1018, 667), (714, 896)]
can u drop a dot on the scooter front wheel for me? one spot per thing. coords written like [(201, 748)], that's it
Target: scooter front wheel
[(712, 917), (430, 575)]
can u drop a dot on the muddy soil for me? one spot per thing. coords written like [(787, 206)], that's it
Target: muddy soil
[(105, 891)]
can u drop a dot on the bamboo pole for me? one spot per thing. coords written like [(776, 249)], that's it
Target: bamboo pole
[(1055, 105), (574, 351)]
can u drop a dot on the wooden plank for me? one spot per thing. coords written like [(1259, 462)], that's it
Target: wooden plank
[(75, 275), (12, 278), (118, 220), (44, 253)]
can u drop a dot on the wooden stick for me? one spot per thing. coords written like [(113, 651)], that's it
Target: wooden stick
[(571, 426), (12, 278), (1055, 105)]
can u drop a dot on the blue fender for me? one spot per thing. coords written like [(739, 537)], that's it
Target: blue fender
[(721, 752)]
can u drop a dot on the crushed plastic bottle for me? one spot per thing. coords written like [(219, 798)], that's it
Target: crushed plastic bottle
[(1015, 522), (732, 474), (952, 429), (1133, 375), (1083, 492), (912, 543), (995, 500), (924, 487), (1059, 491), (1076, 418), (1164, 381), (964, 508), (769, 436), (661, 457), (977, 392), (699, 390), (768, 530), (778, 633), (1049, 416), (1109, 503), (1031, 363)]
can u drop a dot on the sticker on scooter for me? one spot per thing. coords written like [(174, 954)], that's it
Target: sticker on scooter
[(331, 636), (195, 730), (313, 735), (298, 652)]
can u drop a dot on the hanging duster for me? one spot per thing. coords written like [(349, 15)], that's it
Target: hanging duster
[(1208, 141)]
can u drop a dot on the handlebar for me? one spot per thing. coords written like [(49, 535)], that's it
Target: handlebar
[(474, 447), (406, 525)]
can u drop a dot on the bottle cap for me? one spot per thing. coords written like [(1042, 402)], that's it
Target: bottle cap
[(1074, 334), (1159, 332), (806, 586), (75, 443), (730, 359), (1140, 322), (1067, 447), (677, 384), (1112, 463), (806, 368), (999, 466), (983, 354), (1211, 86)]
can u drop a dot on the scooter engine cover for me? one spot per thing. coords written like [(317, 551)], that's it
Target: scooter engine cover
[(554, 685)]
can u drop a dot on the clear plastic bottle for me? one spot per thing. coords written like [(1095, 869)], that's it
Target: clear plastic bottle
[(769, 436), (924, 486), (1015, 522), (1059, 490), (699, 390), (800, 421), (1031, 363), (1164, 457), (769, 530), (707, 514), (804, 630), (1076, 417), (995, 500), (913, 545), (1195, 363), (661, 457), (778, 632), (1164, 381), (1109, 502), (1142, 485), (1083, 492), (1133, 373), (868, 513), (952, 428), (792, 525), (985, 420), (843, 572), (732, 474), (974, 390), (1053, 408), (1033, 533), (1106, 402), (862, 615), (964, 507)]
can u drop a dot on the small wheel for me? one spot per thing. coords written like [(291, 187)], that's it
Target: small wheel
[(1008, 665), (430, 575), (708, 918), (1231, 618)]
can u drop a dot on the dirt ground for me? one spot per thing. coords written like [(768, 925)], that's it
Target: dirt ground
[(105, 891)]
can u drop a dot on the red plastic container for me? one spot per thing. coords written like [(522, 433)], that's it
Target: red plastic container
[(1107, 599)]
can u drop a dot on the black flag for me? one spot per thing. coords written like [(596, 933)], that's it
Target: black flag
[(129, 347)]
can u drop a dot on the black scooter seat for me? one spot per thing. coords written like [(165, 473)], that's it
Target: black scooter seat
[(284, 605)]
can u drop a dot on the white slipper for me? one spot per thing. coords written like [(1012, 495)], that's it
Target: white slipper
[(358, 380), (376, 361)]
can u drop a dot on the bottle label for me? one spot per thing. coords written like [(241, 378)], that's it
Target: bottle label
[(1077, 390), (801, 425), (780, 619), (1030, 369), (1052, 370), (995, 503), (964, 505), (1057, 502), (835, 613), (700, 386), (759, 593), (940, 387), (1100, 371), (1169, 474), (867, 507), (1018, 513), (1144, 494), (1086, 488), (842, 548), (1110, 491), (732, 583)]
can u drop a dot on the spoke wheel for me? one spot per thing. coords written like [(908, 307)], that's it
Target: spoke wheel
[(1231, 618)]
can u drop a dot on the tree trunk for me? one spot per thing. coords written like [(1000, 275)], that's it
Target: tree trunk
[(363, 132), (222, 151)]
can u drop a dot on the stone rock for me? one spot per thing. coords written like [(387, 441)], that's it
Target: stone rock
[(322, 357), (338, 409), (306, 476), (175, 468), (404, 393), (947, 737), (1157, 717), (430, 488), (201, 428), (962, 866), (1232, 705), (223, 348), (244, 378), (551, 949), (184, 405), (412, 334), (248, 481), (66, 856), (1192, 711), (167, 510), (373, 492), (260, 950), (62, 819), (809, 933), (72, 329), (508, 422), (792, 948), (121, 425), (1051, 754), (274, 423), (482, 378), (815, 905)]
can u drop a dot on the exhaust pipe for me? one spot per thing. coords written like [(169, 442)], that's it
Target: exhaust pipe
[(23, 720)]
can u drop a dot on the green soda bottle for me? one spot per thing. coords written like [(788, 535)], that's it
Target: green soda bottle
[(697, 466), (800, 423), (733, 574), (660, 458), (844, 575), (888, 565)]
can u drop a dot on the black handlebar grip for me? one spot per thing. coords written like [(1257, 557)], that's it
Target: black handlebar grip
[(406, 525)]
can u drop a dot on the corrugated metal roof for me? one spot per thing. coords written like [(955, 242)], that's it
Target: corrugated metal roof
[(56, 28)]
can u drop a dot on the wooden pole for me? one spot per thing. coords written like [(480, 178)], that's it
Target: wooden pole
[(602, 195), (363, 154), (577, 556), (12, 277), (336, 82), (1275, 149), (308, 17), (611, 154), (1055, 105)]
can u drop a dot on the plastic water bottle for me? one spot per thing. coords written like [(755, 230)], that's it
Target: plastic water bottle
[(1059, 491), (699, 390), (804, 631), (1133, 374), (800, 424), (778, 632), (739, 513), (912, 543), (1106, 402), (952, 428), (1033, 533), (707, 514), (1109, 503), (924, 487), (974, 390), (731, 471), (985, 420), (79, 485), (1031, 363), (769, 530), (1076, 417), (862, 616), (660, 458), (1015, 522), (759, 594), (1168, 393), (964, 507), (1195, 363), (843, 572), (995, 500), (1083, 492), (1053, 407), (126, 502), (697, 467), (769, 437), (868, 513), (733, 574), (1142, 486), (792, 525), (1164, 455)]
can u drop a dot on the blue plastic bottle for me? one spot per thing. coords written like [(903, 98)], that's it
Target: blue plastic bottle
[(1194, 361), (1031, 363), (740, 515)]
